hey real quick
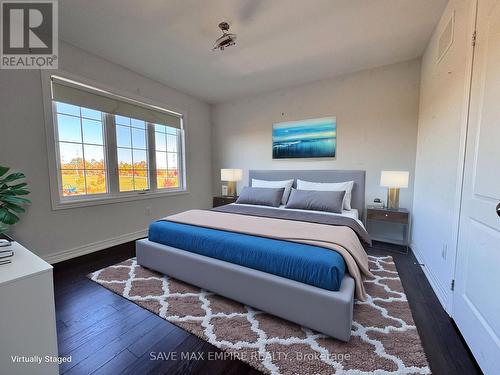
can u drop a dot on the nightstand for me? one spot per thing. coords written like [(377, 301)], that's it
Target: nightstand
[(395, 222), (222, 200)]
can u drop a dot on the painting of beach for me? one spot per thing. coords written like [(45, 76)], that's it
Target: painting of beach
[(315, 138)]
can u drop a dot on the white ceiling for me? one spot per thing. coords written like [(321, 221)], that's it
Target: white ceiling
[(280, 43)]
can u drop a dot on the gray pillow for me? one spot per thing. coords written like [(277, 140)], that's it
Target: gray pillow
[(261, 196), (330, 201)]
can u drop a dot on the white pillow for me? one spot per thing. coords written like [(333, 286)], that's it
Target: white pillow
[(329, 186), (287, 184)]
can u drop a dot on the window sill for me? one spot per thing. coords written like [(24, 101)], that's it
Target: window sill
[(125, 197)]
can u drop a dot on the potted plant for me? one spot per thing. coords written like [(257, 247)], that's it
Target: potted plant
[(11, 200)]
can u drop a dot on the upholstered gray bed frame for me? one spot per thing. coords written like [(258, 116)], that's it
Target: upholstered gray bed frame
[(319, 309)]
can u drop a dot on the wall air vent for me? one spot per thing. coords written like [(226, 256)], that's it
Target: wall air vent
[(446, 38)]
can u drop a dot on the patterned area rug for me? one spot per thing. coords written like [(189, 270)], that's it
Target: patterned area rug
[(384, 337)]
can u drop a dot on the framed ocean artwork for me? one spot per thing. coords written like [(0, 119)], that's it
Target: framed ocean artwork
[(314, 138)]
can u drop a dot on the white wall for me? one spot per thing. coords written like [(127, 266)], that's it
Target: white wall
[(376, 114), (441, 129), (56, 235)]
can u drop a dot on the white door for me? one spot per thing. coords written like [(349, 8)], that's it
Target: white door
[(476, 299)]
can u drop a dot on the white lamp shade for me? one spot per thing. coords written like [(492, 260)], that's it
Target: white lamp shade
[(394, 179), (231, 174)]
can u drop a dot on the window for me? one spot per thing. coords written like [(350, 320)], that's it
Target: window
[(132, 148), (167, 156), (111, 147), (81, 150)]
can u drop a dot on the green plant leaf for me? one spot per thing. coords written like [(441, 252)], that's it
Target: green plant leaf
[(3, 170), (20, 192), (3, 228), (6, 192), (8, 217), (14, 207), (13, 177), (19, 186), (12, 199)]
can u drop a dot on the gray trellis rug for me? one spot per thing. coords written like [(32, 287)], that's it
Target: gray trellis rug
[(384, 337)]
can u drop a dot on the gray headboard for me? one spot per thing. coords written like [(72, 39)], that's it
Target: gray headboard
[(321, 175)]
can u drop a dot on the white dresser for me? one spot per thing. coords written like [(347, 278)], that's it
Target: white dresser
[(27, 315)]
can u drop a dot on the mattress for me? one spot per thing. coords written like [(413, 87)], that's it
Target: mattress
[(308, 264)]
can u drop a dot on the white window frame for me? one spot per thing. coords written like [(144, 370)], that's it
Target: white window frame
[(113, 196)]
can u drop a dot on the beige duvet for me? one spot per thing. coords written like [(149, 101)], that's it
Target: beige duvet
[(338, 238)]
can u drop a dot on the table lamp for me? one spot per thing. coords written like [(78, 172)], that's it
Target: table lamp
[(394, 180), (231, 176)]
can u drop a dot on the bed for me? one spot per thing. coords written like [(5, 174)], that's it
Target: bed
[(248, 254)]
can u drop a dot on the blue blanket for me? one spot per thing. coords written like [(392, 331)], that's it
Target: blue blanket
[(308, 264)]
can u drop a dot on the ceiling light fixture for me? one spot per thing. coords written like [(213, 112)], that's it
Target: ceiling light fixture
[(226, 40)]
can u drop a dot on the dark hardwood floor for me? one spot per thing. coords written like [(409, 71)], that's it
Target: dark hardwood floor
[(106, 334)]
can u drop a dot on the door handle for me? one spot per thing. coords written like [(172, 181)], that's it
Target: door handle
[(498, 209)]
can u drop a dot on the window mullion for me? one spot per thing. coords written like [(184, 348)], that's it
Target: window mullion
[(83, 154), (181, 155), (153, 186), (111, 152)]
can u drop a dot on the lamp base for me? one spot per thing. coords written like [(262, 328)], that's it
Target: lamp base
[(393, 198), (231, 188)]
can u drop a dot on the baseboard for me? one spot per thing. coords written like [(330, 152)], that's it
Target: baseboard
[(94, 246), (437, 287)]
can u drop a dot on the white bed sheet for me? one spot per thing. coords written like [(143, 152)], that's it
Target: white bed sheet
[(353, 214)]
